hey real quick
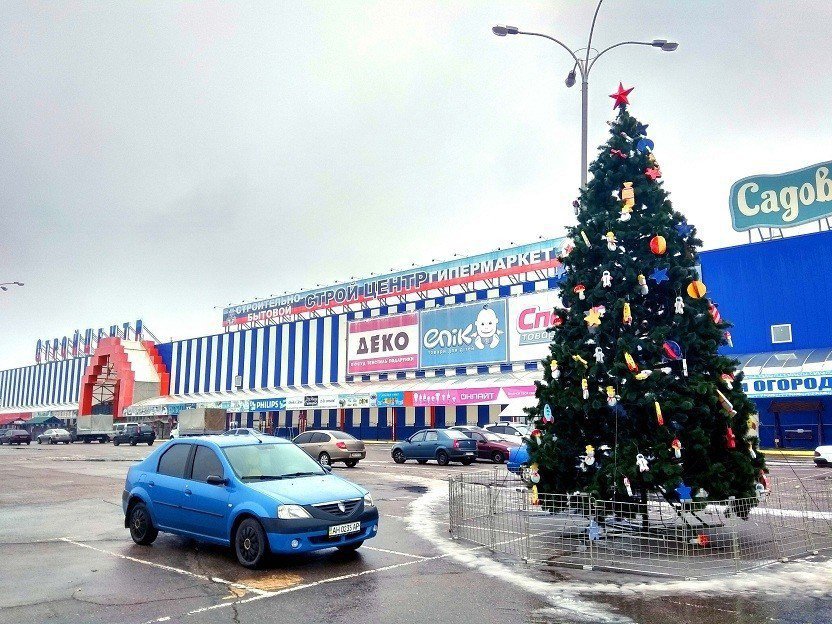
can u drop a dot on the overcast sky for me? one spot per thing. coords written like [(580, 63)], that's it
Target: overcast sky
[(158, 159)]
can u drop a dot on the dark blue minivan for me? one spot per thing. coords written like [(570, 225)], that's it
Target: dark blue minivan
[(259, 495)]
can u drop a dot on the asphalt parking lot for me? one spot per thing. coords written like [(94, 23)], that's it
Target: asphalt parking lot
[(67, 558)]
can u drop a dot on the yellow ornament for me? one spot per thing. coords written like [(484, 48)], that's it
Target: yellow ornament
[(578, 358), (586, 239), (627, 318), (659, 417), (631, 363), (628, 196), (643, 375), (592, 317), (696, 289), (585, 388)]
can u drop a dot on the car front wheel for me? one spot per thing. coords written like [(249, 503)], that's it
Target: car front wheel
[(442, 458), (467, 461), (324, 459), (497, 457), (115, 442), (40, 441), (141, 526), (250, 543), (398, 456), (351, 463)]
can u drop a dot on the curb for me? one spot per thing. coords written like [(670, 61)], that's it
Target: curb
[(789, 453)]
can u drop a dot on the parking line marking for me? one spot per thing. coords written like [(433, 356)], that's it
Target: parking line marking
[(212, 579), (333, 579), (394, 552)]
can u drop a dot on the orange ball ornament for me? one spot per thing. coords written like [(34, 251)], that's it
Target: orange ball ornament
[(658, 245), (696, 289)]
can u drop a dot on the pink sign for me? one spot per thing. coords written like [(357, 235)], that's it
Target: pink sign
[(465, 396), (385, 343), (519, 392)]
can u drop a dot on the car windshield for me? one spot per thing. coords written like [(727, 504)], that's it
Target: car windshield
[(260, 462)]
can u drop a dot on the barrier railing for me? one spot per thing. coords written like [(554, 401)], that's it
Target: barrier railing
[(495, 509)]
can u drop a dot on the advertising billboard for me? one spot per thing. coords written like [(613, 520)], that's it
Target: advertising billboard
[(529, 318), (464, 335), (783, 199), (387, 343), (537, 256)]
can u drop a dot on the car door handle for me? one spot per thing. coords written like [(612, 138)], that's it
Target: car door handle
[(187, 491), (151, 483)]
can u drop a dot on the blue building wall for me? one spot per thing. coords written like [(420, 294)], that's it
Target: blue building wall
[(765, 284)]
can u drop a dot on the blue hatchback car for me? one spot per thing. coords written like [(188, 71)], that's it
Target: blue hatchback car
[(443, 445), (259, 495)]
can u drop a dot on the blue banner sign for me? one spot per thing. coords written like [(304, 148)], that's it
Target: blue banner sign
[(390, 399), (787, 385), (782, 200), (464, 335), (267, 405)]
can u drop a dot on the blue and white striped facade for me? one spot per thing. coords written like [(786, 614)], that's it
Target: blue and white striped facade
[(43, 387), (301, 354)]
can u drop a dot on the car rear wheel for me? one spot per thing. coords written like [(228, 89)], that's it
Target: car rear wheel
[(250, 543), (497, 457), (398, 456), (141, 526), (51, 441), (350, 547), (115, 442), (150, 442), (324, 459), (40, 441), (467, 461), (351, 463), (442, 458)]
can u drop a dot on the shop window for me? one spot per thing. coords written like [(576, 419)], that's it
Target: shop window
[(781, 334)]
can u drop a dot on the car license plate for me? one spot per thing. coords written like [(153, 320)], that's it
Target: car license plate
[(344, 529), (355, 454), (469, 453)]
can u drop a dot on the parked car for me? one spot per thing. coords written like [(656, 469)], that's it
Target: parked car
[(332, 446), (243, 431), (258, 496), (518, 459), (443, 445), (469, 428), (513, 432), (823, 456), (490, 446), (134, 433), (55, 436), (15, 436)]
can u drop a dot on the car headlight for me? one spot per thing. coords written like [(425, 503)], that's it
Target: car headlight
[(368, 501), (292, 512)]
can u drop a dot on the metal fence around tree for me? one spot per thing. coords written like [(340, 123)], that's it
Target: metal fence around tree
[(495, 509)]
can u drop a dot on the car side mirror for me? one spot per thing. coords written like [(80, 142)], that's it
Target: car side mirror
[(215, 480), (327, 469)]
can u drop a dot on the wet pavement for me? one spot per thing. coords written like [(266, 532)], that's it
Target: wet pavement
[(67, 558)]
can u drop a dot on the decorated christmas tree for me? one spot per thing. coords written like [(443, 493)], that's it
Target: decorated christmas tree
[(635, 397)]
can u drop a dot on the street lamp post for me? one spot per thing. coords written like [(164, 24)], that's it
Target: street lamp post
[(584, 66), (5, 285)]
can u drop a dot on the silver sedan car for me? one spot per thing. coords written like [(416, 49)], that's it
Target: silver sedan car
[(55, 436), (332, 446)]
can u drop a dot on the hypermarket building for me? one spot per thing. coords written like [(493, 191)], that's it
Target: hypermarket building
[(458, 342)]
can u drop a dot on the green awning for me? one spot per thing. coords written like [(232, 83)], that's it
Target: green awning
[(43, 420)]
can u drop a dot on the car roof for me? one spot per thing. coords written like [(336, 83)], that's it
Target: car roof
[(226, 441)]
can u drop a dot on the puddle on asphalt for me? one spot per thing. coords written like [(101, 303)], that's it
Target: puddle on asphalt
[(416, 489)]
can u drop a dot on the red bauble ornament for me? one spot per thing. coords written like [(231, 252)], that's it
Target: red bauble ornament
[(730, 439), (620, 96), (658, 245), (653, 173)]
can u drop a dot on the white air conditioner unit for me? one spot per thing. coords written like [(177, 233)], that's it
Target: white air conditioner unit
[(238, 381), (781, 334)]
